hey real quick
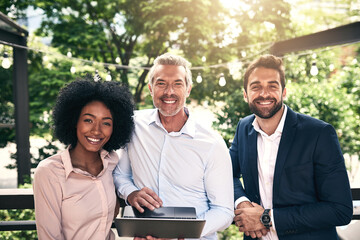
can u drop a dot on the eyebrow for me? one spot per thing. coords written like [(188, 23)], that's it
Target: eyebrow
[(272, 82), (177, 80), (89, 114)]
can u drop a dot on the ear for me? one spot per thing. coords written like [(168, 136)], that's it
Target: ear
[(245, 96), (150, 89), (284, 93), (188, 90)]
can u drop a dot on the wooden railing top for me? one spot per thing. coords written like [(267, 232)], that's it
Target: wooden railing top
[(24, 199)]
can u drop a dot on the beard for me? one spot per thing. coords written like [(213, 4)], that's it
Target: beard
[(168, 112), (265, 114)]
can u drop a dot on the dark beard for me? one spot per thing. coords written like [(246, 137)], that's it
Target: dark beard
[(271, 112)]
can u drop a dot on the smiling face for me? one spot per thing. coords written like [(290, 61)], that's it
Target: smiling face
[(264, 92), (169, 90), (94, 127)]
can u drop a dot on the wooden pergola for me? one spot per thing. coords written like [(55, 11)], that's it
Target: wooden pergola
[(14, 35), (349, 33)]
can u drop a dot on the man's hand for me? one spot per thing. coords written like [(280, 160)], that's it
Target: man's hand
[(251, 227), (144, 198)]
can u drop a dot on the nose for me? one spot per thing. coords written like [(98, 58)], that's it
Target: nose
[(95, 128), (264, 92), (169, 89)]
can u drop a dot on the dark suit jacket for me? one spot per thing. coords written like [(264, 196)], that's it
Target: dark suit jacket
[(311, 192)]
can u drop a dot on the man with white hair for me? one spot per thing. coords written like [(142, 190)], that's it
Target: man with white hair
[(172, 160)]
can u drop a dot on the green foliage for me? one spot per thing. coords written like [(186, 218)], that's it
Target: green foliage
[(7, 133), (231, 233), (18, 215), (104, 30)]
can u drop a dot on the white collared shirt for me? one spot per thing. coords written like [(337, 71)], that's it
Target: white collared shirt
[(191, 168), (267, 148)]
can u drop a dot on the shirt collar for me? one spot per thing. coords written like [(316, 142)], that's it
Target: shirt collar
[(279, 128), (188, 128), (66, 159)]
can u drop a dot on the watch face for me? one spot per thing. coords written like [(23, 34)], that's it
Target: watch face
[(265, 219)]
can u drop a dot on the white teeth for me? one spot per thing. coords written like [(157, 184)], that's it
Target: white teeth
[(94, 139), (264, 103), (169, 102)]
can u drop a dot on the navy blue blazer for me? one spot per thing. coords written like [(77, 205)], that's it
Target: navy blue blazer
[(311, 191)]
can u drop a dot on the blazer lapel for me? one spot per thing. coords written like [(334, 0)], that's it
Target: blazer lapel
[(252, 157), (287, 138)]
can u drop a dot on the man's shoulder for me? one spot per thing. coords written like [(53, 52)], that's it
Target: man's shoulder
[(144, 114), (207, 132), (246, 121), (309, 121)]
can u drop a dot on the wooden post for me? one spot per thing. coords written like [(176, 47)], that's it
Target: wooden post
[(21, 102)]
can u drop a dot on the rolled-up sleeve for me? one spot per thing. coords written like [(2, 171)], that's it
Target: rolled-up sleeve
[(122, 175), (219, 188)]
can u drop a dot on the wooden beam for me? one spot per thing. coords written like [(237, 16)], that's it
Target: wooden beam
[(12, 25), (349, 33), (16, 198), (22, 119)]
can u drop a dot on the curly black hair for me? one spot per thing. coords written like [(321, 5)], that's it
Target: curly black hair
[(75, 95)]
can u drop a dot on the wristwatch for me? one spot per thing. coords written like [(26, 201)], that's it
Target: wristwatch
[(265, 218)]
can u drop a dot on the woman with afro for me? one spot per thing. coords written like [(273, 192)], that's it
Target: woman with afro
[(74, 190)]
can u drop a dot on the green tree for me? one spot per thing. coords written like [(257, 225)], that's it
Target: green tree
[(104, 30), (7, 131), (252, 27)]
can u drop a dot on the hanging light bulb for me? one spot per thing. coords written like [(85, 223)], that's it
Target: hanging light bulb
[(96, 76), (199, 78), (117, 60), (73, 69), (69, 54), (6, 61), (203, 59), (222, 81), (108, 77), (314, 70)]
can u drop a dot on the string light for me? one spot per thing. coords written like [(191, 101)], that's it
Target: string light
[(117, 60), (314, 70), (108, 77), (6, 61), (203, 59), (73, 69), (222, 81), (96, 76), (118, 66), (244, 60), (199, 78)]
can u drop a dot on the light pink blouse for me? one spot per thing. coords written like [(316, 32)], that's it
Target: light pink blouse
[(71, 203)]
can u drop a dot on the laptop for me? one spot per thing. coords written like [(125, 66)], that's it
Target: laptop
[(164, 222)]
